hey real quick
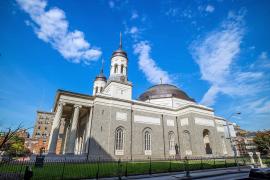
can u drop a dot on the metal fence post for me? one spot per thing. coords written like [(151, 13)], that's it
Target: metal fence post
[(62, 176), (201, 163), (244, 161), (237, 163), (170, 169), (187, 167), (21, 166), (126, 171), (119, 169), (97, 174), (150, 167)]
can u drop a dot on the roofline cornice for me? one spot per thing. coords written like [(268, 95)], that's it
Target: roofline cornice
[(133, 102)]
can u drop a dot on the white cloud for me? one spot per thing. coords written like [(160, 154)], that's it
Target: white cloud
[(111, 4), (149, 67), (262, 61), (216, 54), (209, 8), (52, 27), (134, 30), (134, 15), (263, 55)]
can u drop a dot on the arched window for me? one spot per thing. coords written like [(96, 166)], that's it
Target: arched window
[(119, 141), (96, 89), (122, 69), (101, 88), (115, 68), (171, 143), (206, 141), (187, 143), (147, 140)]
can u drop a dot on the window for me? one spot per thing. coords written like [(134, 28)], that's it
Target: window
[(119, 142), (147, 141), (38, 127), (115, 68), (187, 143), (101, 88), (96, 89), (206, 140), (171, 141), (122, 69)]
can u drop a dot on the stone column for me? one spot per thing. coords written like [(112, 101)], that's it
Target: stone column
[(67, 130), (73, 132), (87, 131), (251, 157), (55, 128)]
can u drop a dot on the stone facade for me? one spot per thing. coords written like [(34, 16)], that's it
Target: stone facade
[(111, 125)]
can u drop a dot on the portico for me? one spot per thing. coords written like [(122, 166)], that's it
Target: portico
[(76, 116)]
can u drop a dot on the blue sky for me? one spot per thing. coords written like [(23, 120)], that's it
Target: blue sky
[(216, 51)]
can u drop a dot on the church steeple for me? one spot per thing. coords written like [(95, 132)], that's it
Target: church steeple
[(120, 43), (100, 81), (118, 85), (119, 64)]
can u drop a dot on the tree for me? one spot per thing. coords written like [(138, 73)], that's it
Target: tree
[(12, 144), (262, 140)]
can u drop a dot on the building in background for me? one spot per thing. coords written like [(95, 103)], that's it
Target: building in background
[(41, 133), (244, 141)]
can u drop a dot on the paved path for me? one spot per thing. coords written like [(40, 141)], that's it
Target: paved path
[(212, 174)]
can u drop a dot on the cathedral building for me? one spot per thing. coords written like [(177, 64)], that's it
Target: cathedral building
[(163, 122)]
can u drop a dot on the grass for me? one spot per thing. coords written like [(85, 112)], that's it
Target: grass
[(108, 169)]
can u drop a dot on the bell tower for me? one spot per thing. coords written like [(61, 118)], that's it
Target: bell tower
[(118, 85), (100, 81), (119, 61)]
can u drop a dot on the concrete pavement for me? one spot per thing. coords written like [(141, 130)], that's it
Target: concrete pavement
[(213, 174)]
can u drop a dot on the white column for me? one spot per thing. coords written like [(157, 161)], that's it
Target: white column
[(55, 128), (87, 131), (119, 69), (125, 70), (73, 132), (66, 139)]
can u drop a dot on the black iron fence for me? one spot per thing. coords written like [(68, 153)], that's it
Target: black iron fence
[(98, 168)]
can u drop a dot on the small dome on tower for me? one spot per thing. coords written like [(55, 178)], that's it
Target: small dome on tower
[(120, 51), (101, 76)]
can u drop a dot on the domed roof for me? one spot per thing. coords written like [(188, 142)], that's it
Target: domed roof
[(120, 51), (163, 91), (101, 77)]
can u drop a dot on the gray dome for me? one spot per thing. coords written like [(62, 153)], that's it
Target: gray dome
[(101, 77), (119, 52), (163, 91)]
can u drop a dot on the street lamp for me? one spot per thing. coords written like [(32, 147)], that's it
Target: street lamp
[(230, 137)]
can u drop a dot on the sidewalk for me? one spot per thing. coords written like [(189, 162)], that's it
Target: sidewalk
[(198, 174)]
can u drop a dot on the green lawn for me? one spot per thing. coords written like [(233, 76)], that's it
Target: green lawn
[(107, 169)]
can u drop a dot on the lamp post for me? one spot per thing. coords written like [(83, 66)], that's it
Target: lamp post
[(230, 137)]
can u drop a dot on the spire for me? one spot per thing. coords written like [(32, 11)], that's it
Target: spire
[(120, 43), (102, 66)]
